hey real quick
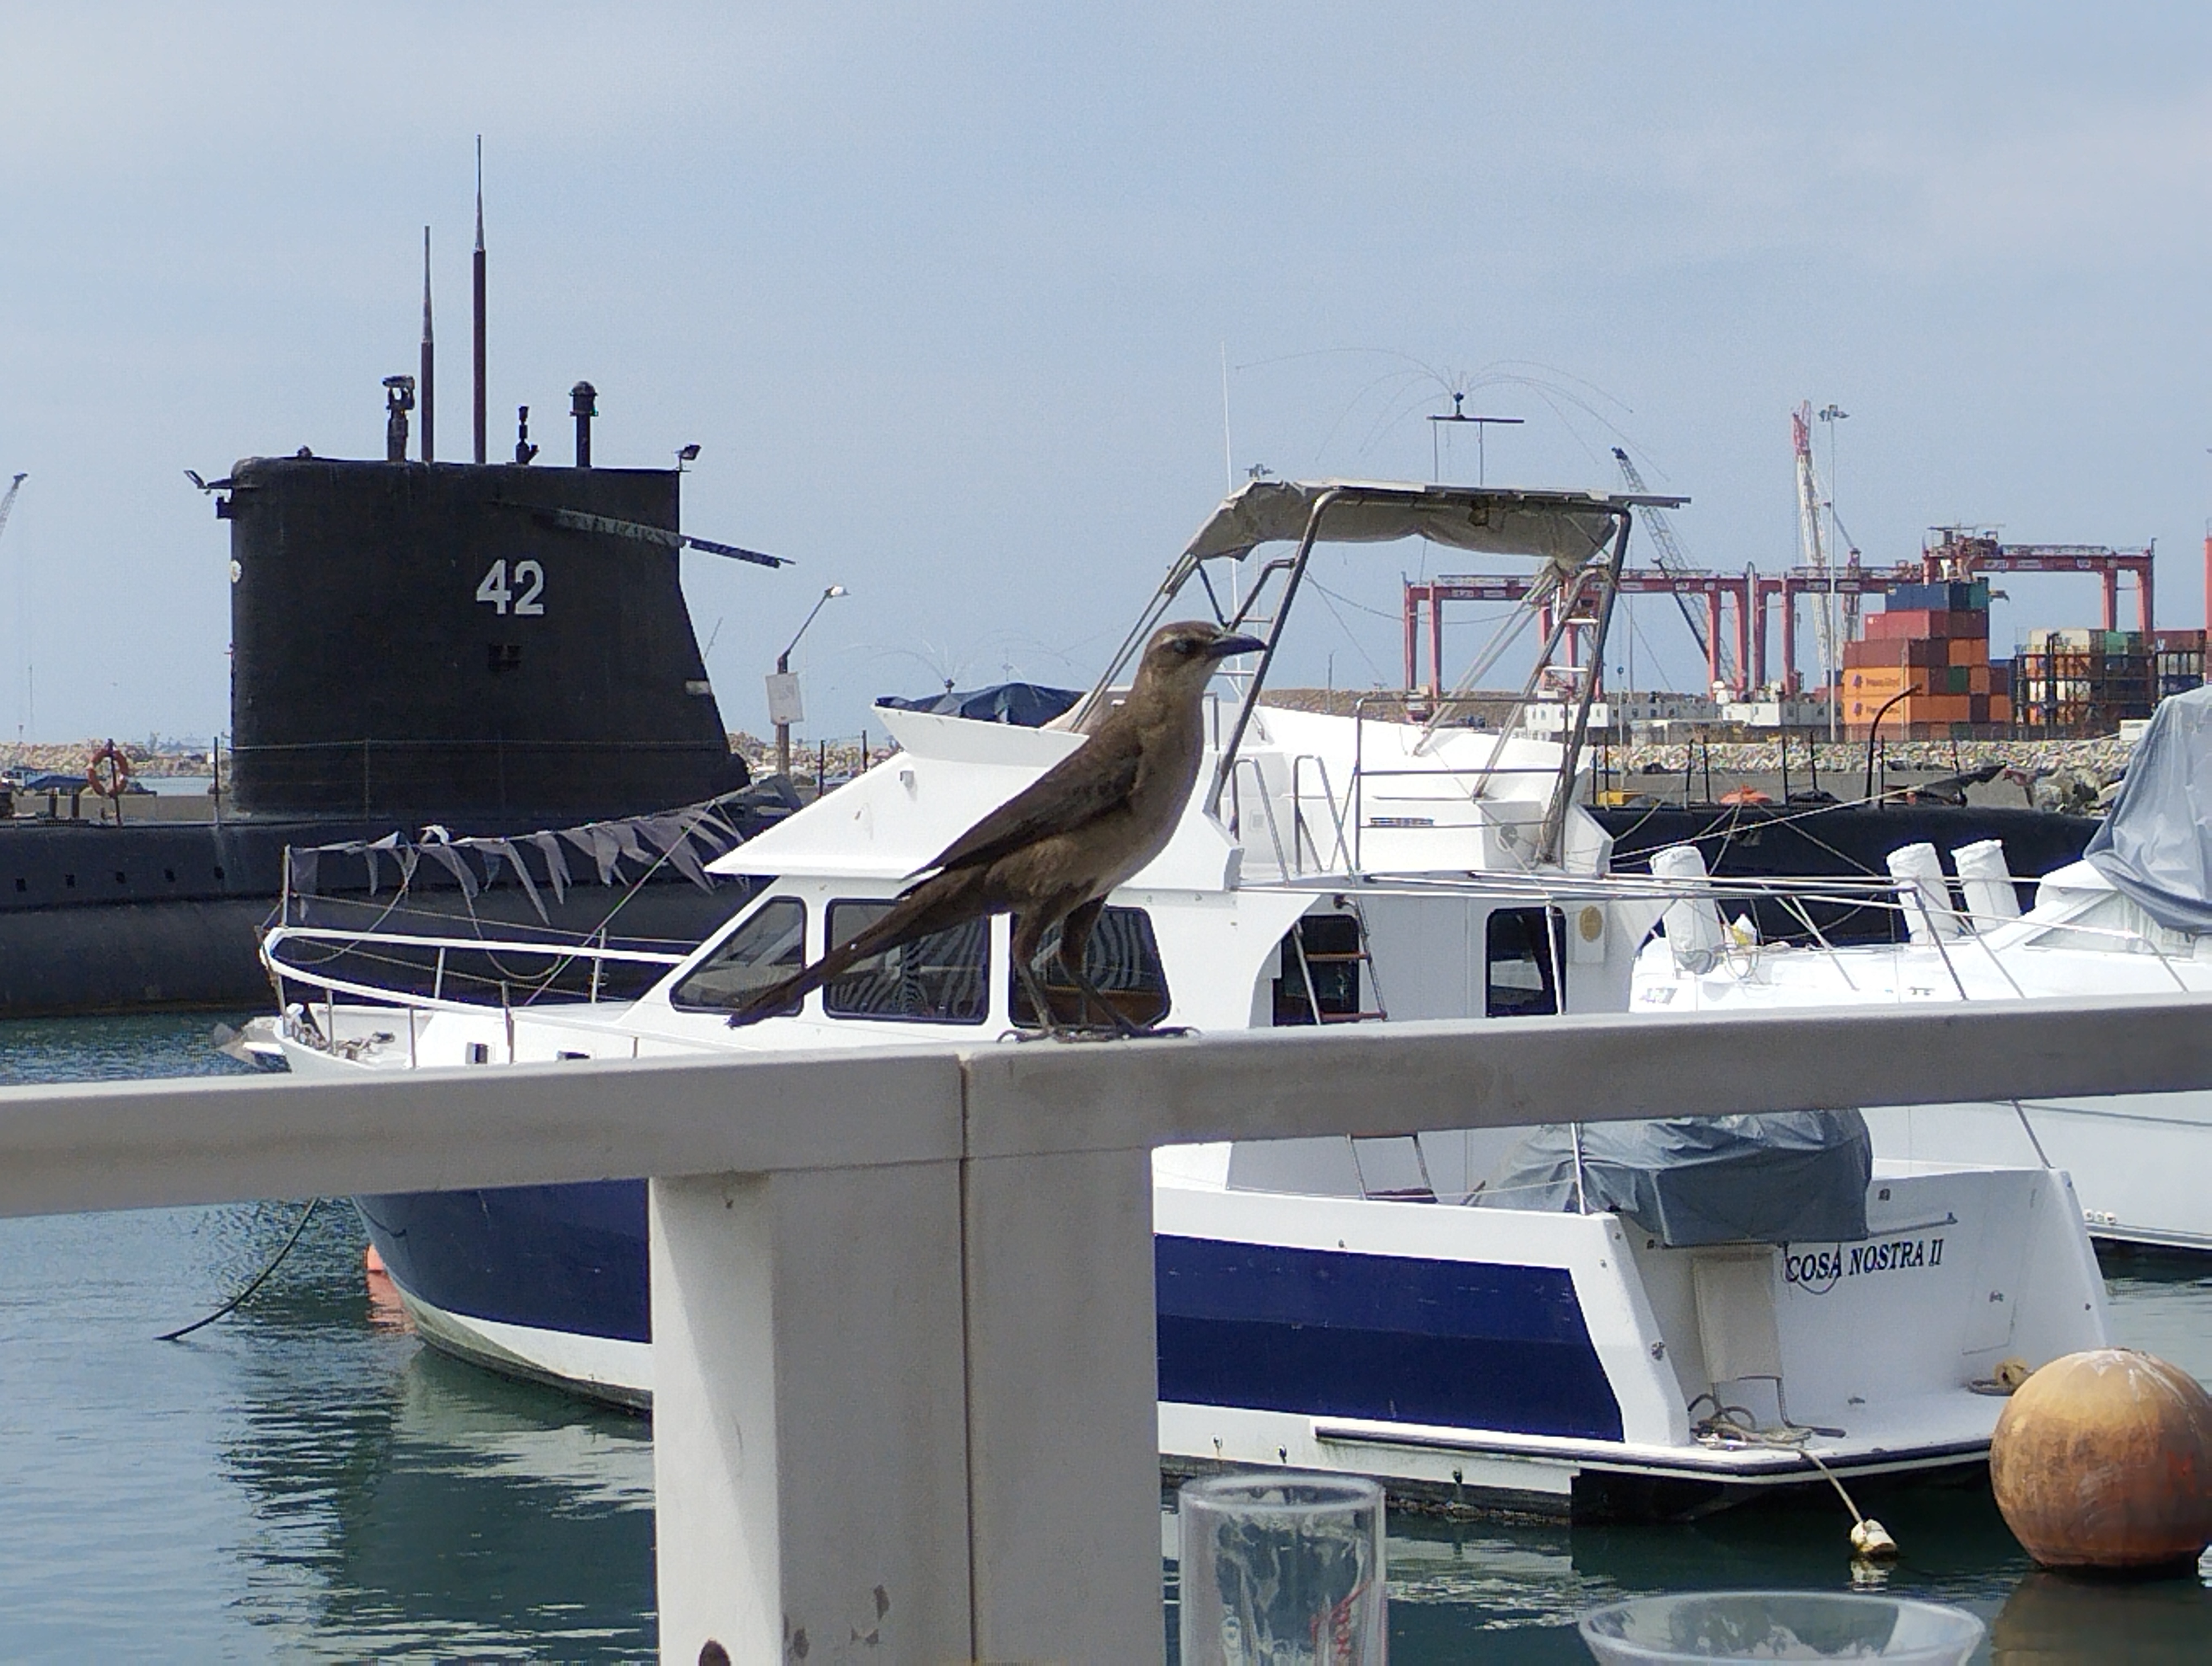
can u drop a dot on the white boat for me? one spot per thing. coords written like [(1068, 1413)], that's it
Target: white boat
[(1446, 1312), (2132, 917)]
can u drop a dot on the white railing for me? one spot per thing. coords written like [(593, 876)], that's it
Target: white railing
[(347, 945), (902, 1302)]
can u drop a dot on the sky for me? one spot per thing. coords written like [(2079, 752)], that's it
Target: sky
[(944, 293)]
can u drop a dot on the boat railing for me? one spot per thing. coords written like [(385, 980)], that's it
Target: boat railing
[(495, 972), (1301, 834), (1267, 801)]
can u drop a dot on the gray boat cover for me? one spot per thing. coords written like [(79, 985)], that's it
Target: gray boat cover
[(1796, 1176), (2156, 844)]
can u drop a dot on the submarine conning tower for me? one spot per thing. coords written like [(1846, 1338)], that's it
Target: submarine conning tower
[(436, 640)]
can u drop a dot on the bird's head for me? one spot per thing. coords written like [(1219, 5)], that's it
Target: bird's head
[(1182, 656)]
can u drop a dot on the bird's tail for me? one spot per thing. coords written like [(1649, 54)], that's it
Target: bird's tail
[(936, 904)]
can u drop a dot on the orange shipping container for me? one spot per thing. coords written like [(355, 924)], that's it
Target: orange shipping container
[(1977, 679), (1969, 650), (2000, 709), (1937, 708), (1880, 682), (1913, 710)]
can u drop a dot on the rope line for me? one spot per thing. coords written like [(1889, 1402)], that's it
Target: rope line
[(255, 1283)]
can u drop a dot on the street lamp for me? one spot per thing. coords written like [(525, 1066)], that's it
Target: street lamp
[(784, 708)]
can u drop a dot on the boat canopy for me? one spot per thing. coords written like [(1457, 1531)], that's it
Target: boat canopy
[(2156, 845), (1796, 1176), (1566, 528)]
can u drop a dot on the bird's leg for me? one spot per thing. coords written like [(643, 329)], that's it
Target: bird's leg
[(1027, 941), (1046, 1019), (1091, 993), (1073, 949)]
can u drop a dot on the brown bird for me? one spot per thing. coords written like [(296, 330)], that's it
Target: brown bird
[(1051, 853)]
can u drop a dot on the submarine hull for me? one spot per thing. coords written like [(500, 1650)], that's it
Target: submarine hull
[(492, 649)]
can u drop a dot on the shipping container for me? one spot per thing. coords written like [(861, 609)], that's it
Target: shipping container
[(1899, 651), (1908, 621)]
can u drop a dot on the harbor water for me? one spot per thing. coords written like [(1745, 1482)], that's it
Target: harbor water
[(303, 1480)]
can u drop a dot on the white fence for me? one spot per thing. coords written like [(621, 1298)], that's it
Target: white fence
[(903, 1302)]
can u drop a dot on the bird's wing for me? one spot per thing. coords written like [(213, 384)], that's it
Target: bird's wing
[(1089, 783)]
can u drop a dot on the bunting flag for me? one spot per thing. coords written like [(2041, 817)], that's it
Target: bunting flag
[(686, 840)]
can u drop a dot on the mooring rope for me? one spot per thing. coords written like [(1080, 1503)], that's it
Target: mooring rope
[(258, 1279)]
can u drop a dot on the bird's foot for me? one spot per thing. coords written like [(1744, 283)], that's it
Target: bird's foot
[(1100, 1033), (1088, 1033)]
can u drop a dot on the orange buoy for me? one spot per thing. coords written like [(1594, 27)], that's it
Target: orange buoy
[(2104, 1460), (107, 772), (1745, 794)]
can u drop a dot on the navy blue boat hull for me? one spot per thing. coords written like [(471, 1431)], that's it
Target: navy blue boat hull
[(1457, 1344), (564, 1258)]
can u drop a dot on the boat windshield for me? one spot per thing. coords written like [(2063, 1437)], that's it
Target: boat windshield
[(765, 950)]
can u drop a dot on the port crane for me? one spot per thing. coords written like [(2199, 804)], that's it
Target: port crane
[(1666, 556)]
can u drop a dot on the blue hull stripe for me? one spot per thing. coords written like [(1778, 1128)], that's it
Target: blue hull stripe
[(1466, 1345), (554, 1258)]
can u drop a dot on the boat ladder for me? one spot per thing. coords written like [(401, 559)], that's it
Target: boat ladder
[(1320, 941)]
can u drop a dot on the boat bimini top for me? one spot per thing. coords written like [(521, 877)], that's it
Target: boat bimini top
[(1579, 536)]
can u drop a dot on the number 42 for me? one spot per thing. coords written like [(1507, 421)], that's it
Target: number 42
[(529, 579)]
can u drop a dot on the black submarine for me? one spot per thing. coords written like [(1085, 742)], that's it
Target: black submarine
[(481, 650)]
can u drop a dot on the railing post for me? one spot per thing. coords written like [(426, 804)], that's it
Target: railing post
[(810, 1455), (1063, 1421)]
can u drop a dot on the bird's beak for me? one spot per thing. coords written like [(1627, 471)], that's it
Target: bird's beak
[(1226, 646)]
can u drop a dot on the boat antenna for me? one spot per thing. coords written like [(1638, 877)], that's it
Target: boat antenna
[(1481, 429), (425, 393), (1228, 451), (479, 303)]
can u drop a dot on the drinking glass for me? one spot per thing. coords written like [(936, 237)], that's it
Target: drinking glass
[(1282, 1569)]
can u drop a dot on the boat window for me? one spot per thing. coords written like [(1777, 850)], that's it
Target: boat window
[(942, 978), (1122, 959), (1321, 958), (765, 950), (1525, 953)]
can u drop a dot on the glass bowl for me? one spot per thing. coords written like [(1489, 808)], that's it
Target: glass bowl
[(1779, 1625)]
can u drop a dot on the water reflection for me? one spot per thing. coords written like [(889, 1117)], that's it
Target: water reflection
[(2161, 1302), (2049, 1617), (405, 1503)]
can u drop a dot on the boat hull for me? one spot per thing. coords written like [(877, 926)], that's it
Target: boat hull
[(1485, 1359)]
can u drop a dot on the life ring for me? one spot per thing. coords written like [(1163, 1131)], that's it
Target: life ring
[(116, 779)]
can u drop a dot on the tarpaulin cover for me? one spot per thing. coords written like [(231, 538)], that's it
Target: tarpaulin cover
[(2156, 844), (1567, 528), (1796, 1176), (1025, 705)]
